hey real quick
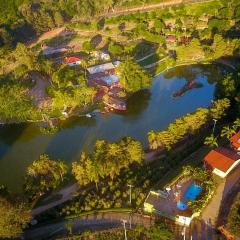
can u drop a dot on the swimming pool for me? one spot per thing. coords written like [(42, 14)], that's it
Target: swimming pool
[(192, 192), (182, 206)]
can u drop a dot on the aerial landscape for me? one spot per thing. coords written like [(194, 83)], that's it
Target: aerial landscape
[(120, 119)]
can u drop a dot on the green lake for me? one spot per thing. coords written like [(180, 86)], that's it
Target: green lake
[(148, 109)]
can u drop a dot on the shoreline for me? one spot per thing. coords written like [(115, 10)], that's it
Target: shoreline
[(187, 63)]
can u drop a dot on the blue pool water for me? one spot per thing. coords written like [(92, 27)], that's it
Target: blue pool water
[(192, 192), (182, 206)]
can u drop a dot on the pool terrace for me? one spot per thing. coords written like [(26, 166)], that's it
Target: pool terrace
[(172, 203)]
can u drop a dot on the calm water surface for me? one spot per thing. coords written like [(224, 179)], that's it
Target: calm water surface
[(153, 108)]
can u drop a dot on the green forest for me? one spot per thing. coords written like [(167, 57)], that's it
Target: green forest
[(145, 44)]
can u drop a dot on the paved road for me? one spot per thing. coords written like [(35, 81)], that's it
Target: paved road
[(198, 230), (91, 222)]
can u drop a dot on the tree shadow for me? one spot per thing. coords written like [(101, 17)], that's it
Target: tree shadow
[(137, 104), (143, 48), (96, 40)]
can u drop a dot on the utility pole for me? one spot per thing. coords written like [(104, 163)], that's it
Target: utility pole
[(215, 122), (130, 196), (124, 226)]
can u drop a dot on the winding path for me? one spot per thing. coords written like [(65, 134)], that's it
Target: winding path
[(98, 221)]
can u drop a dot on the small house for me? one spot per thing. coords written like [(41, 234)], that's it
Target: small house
[(221, 161), (171, 38), (235, 141), (185, 40), (100, 68), (72, 61)]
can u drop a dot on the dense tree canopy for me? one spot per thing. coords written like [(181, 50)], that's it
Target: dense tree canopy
[(226, 87), (187, 124), (132, 76), (107, 160), (15, 103), (14, 217), (43, 175)]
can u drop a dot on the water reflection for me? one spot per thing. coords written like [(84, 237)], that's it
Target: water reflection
[(148, 109), (137, 103)]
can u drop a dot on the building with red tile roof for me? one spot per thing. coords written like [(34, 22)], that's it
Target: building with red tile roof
[(72, 61), (235, 141), (221, 161), (171, 38), (185, 40)]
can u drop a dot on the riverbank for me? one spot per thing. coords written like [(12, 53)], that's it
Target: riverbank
[(153, 68)]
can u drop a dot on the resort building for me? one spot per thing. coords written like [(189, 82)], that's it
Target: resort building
[(235, 141), (185, 40), (72, 61), (171, 38), (173, 202), (100, 68), (221, 161), (104, 78)]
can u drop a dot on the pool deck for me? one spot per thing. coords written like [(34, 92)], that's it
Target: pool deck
[(168, 205)]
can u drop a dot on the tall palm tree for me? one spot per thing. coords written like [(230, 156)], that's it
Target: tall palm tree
[(211, 141), (227, 132), (236, 124)]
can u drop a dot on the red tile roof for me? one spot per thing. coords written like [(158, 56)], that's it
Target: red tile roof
[(235, 140), (171, 38), (221, 158), (72, 59), (185, 39)]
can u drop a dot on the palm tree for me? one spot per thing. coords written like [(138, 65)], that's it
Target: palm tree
[(152, 140), (61, 168), (211, 141), (236, 124), (227, 132)]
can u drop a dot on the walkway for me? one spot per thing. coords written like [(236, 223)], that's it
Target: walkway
[(66, 193), (145, 57), (155, 63), (38, 92), (225, 186), (148, 7), (97, 221)]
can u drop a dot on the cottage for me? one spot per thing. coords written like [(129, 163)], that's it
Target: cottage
[(185, 40), (100, 68), (72, 61), (235, 141), (171, 38), (221, 161)]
